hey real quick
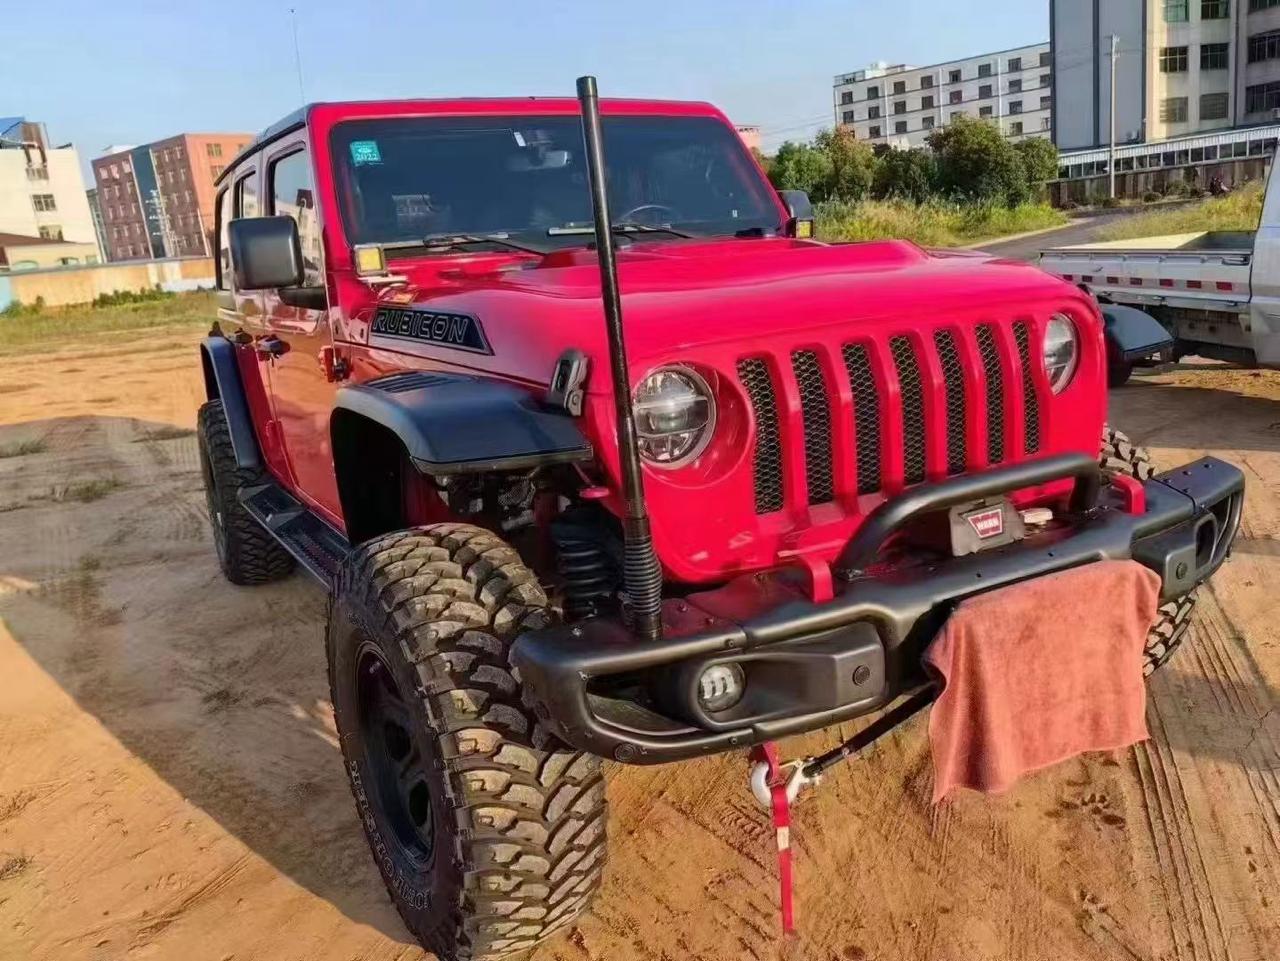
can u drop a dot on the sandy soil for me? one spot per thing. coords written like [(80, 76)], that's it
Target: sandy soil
[(170, 787)]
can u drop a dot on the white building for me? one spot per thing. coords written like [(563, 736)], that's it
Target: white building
[(41, 188), (901, 105)]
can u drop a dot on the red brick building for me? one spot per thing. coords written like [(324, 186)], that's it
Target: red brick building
[(157, 199)]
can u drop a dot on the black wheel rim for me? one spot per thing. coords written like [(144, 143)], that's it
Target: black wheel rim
[(213, 500), (399, 764)]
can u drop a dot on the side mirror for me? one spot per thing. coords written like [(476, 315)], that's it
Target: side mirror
[(801, 212), (265, 252)]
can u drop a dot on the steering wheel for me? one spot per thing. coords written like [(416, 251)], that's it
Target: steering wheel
[(633, 215)]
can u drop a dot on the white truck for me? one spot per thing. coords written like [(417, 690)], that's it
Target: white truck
[(1217, 294)]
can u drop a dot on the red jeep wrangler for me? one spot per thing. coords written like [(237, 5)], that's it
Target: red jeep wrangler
[(548, 543)]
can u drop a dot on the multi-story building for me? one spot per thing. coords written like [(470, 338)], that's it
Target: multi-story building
[(1181, 66), (901, 105), (157, 200), (41, 188)]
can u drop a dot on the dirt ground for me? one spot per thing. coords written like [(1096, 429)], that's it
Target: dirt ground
[(170, 785)]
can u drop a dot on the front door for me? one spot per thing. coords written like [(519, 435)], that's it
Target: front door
[(301, 390)]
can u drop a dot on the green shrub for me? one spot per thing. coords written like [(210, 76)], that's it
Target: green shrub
[(935, 223)]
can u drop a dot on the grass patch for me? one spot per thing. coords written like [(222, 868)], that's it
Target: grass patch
[(22, 448), (50, 325), (933, 223), (1239, 210), (13, 865), (85, 492)]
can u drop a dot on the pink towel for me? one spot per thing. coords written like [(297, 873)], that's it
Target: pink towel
[(1039, 672)]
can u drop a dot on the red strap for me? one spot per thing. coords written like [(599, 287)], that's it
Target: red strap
[(768, 753)]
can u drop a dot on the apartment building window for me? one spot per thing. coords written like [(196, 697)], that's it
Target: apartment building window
[(1015, 64), (846, 97), (1015, 106), (926, 123), (1213, 106), (213, 149), (1262, 96), (1046, 103), (955, 76), (126, 167), (1262, 4), (51, 232), (1213, 56), (115, 171), (926, 82), (1215, 9), (899, 106), (1264, 46), (847, 117), (216, 170), (873, 112), (1046, 79), (985, 111), (900, 126), (984, 92), (137, 229), (1046, 58), (1015, 128), (926, 103), (1173, 59), (43, 202), (899, 86), (1175, 11), (873, 93), (874, 131), (956, 96), (1173, 110), (956, 114), (984, 70), (37, 173), (1015, 86), (1046, 123)]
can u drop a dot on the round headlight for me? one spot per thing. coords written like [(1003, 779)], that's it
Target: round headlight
[(675, 416), (1061, 351)]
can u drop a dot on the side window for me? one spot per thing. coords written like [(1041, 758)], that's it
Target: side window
[(247, 195), (224, 245), (292, 195)]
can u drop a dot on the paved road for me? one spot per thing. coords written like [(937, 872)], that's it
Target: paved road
[(1081, 230)]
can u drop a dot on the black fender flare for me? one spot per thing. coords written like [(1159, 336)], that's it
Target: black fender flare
[(1131, 333), (222, 382), (460, 424)]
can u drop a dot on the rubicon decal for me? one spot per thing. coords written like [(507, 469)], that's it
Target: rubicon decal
[(456, 331), (987, 523)]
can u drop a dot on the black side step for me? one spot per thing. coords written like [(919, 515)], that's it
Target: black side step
[(314, 544)]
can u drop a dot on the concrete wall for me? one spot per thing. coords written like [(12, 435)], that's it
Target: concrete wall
[(80, 285), (1081, 31)]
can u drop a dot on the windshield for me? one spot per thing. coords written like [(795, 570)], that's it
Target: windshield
[(405, 179)]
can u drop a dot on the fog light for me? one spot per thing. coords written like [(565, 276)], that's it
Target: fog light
[(720, 687)]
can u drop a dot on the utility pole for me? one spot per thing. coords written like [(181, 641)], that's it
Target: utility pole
[(1111, 159)]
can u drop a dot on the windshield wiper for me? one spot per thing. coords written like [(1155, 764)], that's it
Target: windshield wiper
[(622, 227), (450, 241)]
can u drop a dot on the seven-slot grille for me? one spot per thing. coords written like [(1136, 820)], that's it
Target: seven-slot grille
[(912, 416)]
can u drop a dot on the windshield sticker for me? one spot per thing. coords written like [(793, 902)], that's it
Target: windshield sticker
[(365, 152), (456, 331)]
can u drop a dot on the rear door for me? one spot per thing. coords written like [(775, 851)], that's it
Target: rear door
[(297, 323)]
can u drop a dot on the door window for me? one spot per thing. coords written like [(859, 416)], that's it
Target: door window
[(292, 195), (247, 196), (224, 245)]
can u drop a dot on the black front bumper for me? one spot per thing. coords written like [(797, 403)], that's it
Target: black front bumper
[(809, 665)]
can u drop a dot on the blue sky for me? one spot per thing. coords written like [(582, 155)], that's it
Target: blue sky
[(120, 71)]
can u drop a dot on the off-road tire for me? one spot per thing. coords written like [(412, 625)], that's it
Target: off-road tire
[(247, 554), (518, 842), (1120, 455)]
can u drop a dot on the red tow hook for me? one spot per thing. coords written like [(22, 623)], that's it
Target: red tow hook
[(775, 786)]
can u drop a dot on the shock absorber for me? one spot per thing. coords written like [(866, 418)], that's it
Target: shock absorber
[(587, 575)]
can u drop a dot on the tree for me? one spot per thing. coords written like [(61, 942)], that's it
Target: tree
[(909, 174), (975, 162), (765, 162), (853, 164), (798, 166), (1039, 159)]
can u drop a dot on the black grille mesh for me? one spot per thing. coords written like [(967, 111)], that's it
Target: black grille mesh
[(866, 416), (1030, 402), (754, 374), (953, 379), (995, 394), (912, 391), (815, 405)]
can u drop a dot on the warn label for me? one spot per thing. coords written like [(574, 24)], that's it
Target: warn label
[(455, 331), (987, 523)]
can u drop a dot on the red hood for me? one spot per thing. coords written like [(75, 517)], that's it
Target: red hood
[(683, 295)]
